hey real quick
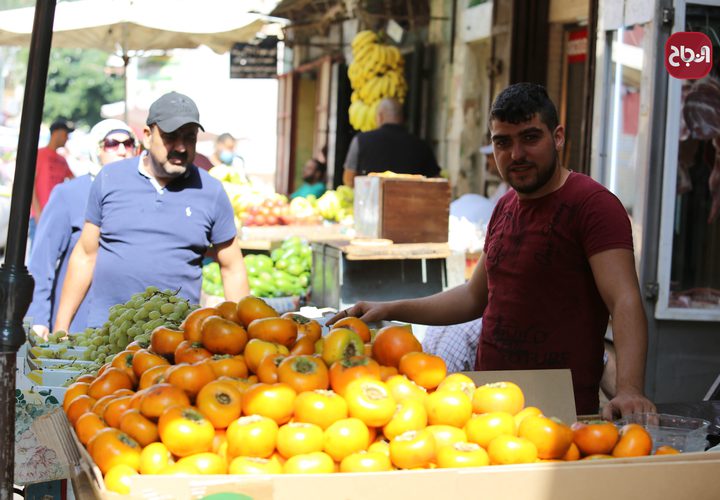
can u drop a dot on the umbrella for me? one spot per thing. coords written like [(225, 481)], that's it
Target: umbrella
[(122, 26)]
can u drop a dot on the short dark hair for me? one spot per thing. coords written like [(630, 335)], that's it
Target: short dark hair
[(320, 166), (519, 102)]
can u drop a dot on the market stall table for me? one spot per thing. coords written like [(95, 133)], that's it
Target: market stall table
[(265, 238), (346, 272)]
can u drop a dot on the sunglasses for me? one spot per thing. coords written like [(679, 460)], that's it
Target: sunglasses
[(113, 144)]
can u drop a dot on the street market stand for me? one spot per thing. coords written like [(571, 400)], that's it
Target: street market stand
[(346, 272), (265, 238)]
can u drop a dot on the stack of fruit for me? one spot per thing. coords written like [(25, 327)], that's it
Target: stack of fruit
[(376, 72), (240, 390), (284, 273), (212, 280), (338, 205)]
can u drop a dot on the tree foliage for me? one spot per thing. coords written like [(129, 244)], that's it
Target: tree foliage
[(78, 85)]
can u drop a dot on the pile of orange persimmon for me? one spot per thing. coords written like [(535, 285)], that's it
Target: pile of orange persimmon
[(241, 390)]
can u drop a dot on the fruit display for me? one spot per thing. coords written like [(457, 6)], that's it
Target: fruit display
[(376, 72), (337, 205), (132, 321), (239, 389), (255, 206), (212, 279), (285, 272)]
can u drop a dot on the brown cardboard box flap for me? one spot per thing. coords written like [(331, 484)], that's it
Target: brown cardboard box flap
[(52, 430), (549, 390)]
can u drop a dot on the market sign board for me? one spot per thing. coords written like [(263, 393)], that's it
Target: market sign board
[(254, 60)]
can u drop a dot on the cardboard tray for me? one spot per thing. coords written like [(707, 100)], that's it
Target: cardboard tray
[(659, 477), (668, 476)]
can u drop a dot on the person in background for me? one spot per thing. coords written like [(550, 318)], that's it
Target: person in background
[(150, 220), (313, 180), (51, 168), (224, 153), (558, 262), (389, 147), (62, 221)]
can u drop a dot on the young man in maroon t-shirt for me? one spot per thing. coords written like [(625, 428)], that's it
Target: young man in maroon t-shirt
[(558, 262)]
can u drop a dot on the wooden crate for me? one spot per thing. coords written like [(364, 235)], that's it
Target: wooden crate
[(404, 210)]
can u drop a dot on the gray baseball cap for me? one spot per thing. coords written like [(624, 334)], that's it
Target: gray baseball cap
[(173, 110)]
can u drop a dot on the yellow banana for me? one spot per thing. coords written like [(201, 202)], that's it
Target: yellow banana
[(369, 66), (353, 70), (362, 38), (391, 56), (352, 114), (364, 52), (387, 84), (364, 91), (382, 59)]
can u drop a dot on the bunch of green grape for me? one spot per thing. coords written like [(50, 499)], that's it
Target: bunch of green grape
[(82, 370), (134, 320), (61, 353)]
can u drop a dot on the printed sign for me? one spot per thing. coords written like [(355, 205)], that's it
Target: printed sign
[(254, 60), (688, 55)]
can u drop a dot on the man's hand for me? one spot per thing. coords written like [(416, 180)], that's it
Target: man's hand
[(626, 403), (42, 331), (369, 312)]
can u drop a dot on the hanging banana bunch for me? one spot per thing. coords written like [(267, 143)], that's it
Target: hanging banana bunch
[(376, 72)]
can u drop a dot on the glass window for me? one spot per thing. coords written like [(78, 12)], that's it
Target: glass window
[(623, 114), (689, 252), (695, 265)]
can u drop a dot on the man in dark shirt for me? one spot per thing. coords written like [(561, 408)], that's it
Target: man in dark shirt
[(389, 147)]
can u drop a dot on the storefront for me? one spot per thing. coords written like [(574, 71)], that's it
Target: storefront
[(653, 147), (687, 309)]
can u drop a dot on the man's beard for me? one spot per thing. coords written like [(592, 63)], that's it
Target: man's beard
[(543, 177)]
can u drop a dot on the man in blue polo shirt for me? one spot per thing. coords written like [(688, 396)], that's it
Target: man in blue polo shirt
[(150, 220)]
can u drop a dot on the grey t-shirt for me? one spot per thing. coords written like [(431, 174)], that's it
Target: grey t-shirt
[(351, 160)]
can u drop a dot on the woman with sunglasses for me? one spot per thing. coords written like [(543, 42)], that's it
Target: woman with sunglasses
[(62, 221)]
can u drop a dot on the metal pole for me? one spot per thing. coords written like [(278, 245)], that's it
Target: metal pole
[(16, 284)]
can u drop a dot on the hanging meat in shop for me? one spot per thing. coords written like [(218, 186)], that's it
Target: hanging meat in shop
[(702, 117)]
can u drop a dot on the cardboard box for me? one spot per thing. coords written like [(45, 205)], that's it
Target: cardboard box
[(659, 477), (549, 390), (403, 210)]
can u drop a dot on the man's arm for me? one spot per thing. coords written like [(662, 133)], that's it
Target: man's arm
[(232, 269), (351, 162), (614, 273), (457, 305), (36, 208), (349, 178), (79, 275)]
